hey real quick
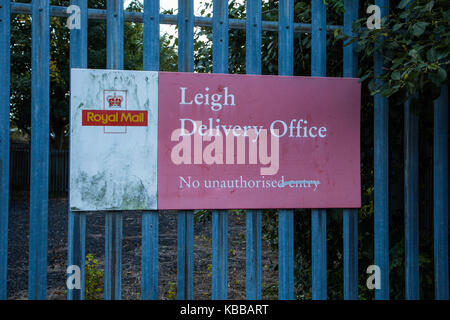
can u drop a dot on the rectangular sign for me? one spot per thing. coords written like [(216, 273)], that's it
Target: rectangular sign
[(148, 140), (113, 140), (247, 141), (114, 118)]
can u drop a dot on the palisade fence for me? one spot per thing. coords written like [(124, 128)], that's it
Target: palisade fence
[(253, 26), (19, 170)]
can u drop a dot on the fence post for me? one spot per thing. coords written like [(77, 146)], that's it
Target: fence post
[(219, 254), (286, 217), (185, 256), (5, 21), (220, 217), (253, 254), (40, 115), (113, 256), (381, 175), (113, 220), (77, 220), (149, 260), (319, 216), (440, 159), (253, 275), (185, 251), (411, 120), (350, 216)]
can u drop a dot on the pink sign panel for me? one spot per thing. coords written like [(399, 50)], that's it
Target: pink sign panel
[(247, 141)]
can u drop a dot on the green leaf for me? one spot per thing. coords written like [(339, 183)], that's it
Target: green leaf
[(413, 53), (403, 4), (364, 77), (336, 32), (429, 6), (431, 54), (396, 75), (386, 92), (397, 26), (442, 74), (404, 15), (438, 77), (419, 28)]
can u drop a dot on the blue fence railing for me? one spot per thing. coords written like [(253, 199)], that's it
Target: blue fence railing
[(41, 159), (19, 170)]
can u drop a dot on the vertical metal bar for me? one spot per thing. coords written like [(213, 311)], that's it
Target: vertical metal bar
[(220, 36), (113, 256), (55, 170), (253, 37), (411, 190), (114, 34), (350, 57), (253, 217), (286, 217), (77, 220), (219, 254), (113, 220), (185, 35), (286, 38), (350, 226), (318, 39), (286, 254), (185, 256), (185, 263), (440, 159), (253, 254), (381, 175), (319, 216), (77, 251), (51, 177), (151, 35), (5, 67), (65, 173), (149, 282), (350, 216), (149, 263), (220, 217), (40, 115), (319, 254)]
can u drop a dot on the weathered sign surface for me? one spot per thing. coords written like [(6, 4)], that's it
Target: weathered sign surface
[(113, 140), (148, 140)]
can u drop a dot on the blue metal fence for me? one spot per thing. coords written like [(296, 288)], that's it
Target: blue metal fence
[(19, 169), (253, 25)]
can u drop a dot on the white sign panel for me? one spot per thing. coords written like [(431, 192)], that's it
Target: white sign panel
[(113, 140)]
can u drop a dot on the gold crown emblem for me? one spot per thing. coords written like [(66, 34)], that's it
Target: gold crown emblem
[(114, 101)]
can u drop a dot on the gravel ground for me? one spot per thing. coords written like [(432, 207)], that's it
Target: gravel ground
[(131, 253)]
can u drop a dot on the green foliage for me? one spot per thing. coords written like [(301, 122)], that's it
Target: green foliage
[(202, 216), (60, 64), (94, 278), (172, 290), (414, 42)]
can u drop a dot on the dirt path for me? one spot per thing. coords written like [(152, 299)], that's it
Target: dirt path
[(131, 253)]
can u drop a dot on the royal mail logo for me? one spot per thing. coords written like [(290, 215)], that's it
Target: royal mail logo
[(137, 118), (114, 101), (114, 117)]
